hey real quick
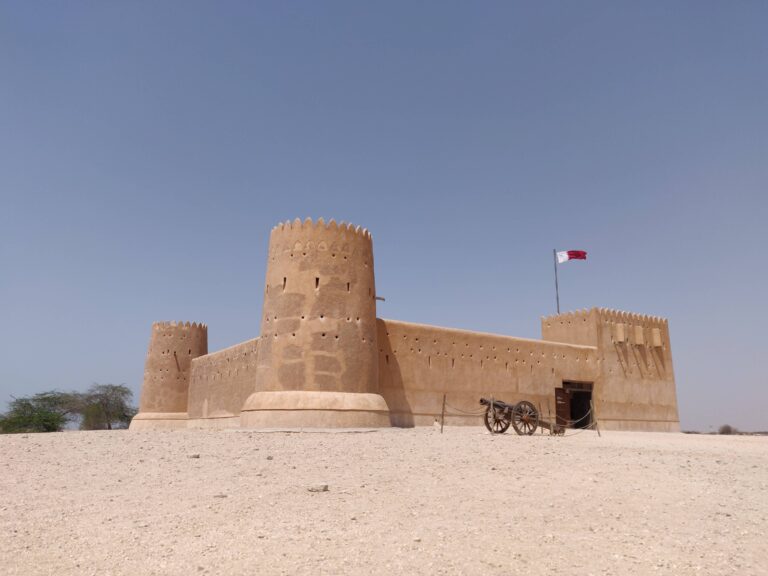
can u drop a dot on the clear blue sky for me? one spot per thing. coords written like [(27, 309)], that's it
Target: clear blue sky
[(147, 148)]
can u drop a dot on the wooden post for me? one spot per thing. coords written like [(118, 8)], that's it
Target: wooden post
[(594, 415), (442, 416), (549, 419), (541, 428)]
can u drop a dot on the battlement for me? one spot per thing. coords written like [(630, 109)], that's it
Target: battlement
[(179, 324), (611, 315), (589, 327), (319, 225), (605, 314), (569, 317)]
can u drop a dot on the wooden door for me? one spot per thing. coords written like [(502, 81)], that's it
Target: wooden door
[(562, 406)]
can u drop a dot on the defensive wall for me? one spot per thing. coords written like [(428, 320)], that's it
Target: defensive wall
[(219, 385), (418, 364), (324, 359)]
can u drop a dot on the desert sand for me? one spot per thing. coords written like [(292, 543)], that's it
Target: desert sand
[(408, 501)]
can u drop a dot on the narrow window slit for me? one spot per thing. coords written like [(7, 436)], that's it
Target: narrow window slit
[(285, 281), (317, 283)]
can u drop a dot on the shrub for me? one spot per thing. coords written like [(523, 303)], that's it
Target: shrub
[(44, 412)]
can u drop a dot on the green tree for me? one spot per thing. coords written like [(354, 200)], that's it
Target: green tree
[(43, 412), (106, 406), (102, 407)]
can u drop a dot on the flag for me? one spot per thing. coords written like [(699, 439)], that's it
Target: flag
[(571, 255)]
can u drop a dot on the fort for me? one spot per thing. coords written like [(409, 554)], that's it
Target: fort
[(324, 359)]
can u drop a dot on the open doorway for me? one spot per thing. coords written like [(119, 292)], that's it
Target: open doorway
[(573, 403)]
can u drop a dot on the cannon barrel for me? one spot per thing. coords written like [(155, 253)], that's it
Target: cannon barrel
[(498, 404)]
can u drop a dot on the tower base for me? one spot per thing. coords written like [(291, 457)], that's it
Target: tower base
[(304, 409), (159, 421)]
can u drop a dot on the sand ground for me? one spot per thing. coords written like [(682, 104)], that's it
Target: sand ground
[(398, 501)]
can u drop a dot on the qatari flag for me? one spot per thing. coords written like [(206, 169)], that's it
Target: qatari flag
[(571, 255)]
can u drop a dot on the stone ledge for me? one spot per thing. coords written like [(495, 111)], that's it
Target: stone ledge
[(311, 409), (159, 421)]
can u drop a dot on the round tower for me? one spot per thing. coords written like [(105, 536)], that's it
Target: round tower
[(172, 347), (317, 363)]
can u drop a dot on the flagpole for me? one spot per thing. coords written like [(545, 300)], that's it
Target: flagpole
[(557, 289)]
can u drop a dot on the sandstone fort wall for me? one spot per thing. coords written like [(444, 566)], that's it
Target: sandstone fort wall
[(419, 363), (220, 383)]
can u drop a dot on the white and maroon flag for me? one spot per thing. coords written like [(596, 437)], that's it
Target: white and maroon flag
[(571, 255)]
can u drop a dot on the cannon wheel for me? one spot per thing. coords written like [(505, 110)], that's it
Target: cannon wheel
[(525, 418), (497, 421)]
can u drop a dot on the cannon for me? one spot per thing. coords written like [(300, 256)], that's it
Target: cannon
[(523, 416)]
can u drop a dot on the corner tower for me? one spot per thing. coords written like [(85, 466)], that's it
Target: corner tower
[(172, 347), (318, 363)]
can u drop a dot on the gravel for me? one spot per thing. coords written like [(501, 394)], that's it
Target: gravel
[(400, 501)]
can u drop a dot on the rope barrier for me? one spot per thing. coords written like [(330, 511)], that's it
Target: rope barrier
[(484, 410), (588, 427), (577, 421), (467, 412)]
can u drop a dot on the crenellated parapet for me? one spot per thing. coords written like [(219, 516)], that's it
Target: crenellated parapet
[(611, 315), (606, 314), (309, 225), (296, 246), (179, 324), (620, 326), (589, 327), (325, 238)]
